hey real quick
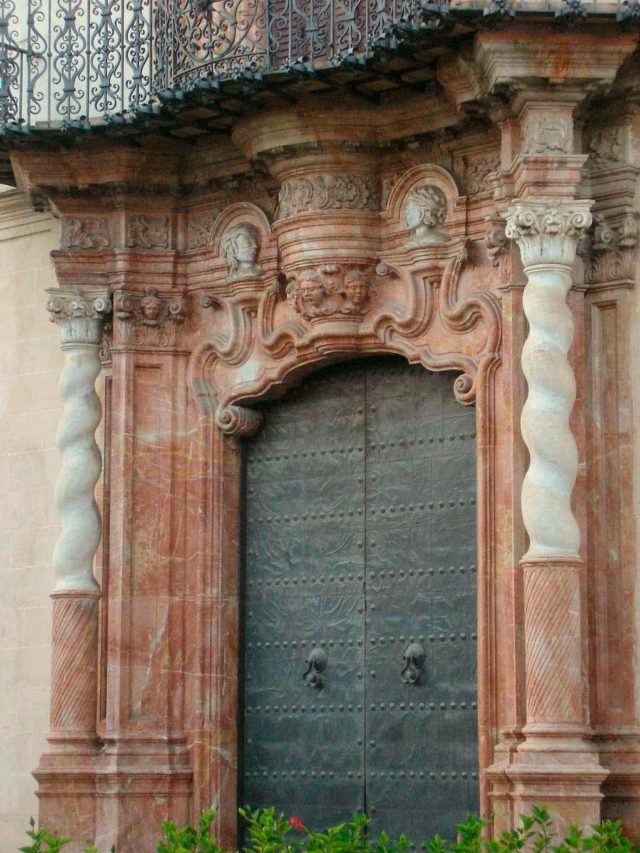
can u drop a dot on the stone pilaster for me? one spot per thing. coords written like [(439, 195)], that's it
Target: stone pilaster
[(73, 741), (556, 756)]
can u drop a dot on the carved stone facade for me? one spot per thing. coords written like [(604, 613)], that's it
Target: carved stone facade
[(398, 229)]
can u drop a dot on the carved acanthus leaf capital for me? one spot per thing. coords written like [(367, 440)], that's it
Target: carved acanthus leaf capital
[(548, 232), (80, 316)]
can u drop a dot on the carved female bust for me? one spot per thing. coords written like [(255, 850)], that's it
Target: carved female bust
[(240, 248), (426, 210)]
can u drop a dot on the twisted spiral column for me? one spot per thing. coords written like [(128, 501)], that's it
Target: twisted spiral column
[(80, 318), (547, 234)]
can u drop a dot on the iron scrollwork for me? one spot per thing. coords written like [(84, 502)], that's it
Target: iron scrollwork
[(316, 665)]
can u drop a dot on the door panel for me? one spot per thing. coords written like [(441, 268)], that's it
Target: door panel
[(420, 503), (304, 589), (360, 540)]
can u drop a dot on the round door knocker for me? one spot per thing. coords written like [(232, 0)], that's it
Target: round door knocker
[(414, 657), (316, 665)]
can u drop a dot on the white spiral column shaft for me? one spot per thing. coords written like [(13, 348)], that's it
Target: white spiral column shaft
[(547, 234), (80, 318)]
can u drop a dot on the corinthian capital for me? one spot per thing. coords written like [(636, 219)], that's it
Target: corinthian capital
[(80, 315), (548, 232)]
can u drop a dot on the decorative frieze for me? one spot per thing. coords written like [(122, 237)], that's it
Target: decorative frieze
[(329, 192), (89, 233), (149, 309), (149, 232)]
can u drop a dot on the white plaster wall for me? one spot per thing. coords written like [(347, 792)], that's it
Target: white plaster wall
[(30, 363)]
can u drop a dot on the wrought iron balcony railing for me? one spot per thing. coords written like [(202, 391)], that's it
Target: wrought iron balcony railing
[(79, 63)]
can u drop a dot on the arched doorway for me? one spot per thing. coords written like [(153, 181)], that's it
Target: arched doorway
[(360, 602)]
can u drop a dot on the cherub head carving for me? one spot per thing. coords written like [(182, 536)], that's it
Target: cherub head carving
[(426, 210), (312, 293), (240, 248), (151, 308), (356, 291)]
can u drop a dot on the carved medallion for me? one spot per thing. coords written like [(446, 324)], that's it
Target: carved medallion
[(548, 135)]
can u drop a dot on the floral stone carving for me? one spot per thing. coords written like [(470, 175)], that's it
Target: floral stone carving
[(90, 233), (149, 232), (329, 291), (329, 192)]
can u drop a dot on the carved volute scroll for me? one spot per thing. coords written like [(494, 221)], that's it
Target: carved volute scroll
[(263, 328)]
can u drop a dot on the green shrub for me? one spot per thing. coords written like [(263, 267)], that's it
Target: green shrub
[(271, 832)]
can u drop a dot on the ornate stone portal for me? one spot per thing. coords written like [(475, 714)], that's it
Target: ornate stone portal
[(394, 228)]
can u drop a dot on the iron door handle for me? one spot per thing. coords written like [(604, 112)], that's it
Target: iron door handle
[(316, 665), (413, 658)]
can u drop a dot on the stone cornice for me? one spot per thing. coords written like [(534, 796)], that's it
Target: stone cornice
[(19, 219), (548, 232), (573, 59)]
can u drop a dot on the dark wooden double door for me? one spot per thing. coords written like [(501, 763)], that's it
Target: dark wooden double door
[(360, 602)]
